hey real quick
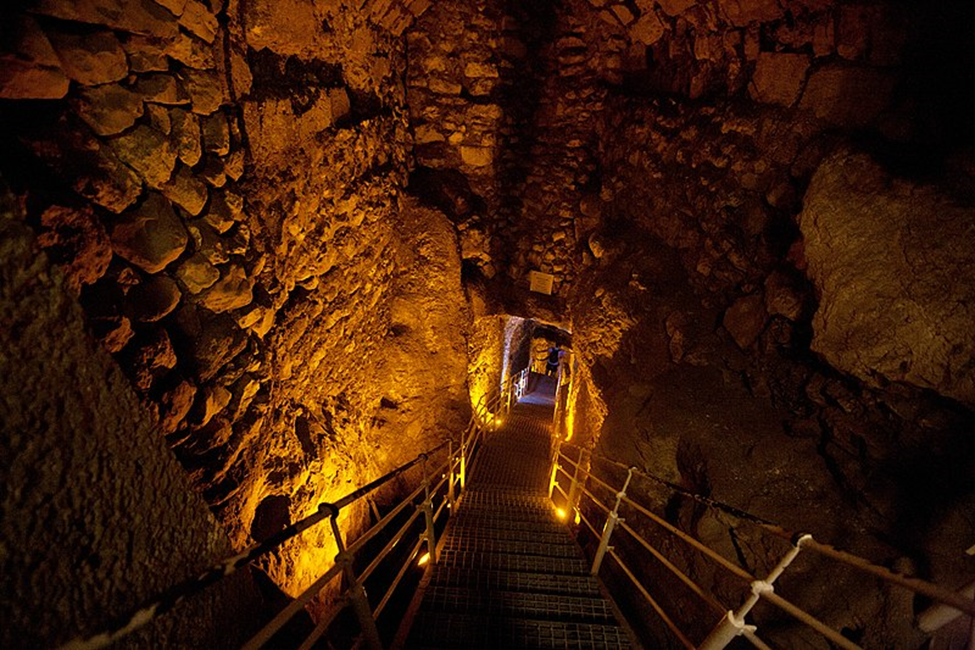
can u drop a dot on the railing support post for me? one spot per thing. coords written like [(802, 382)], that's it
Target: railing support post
[(733, 623), (357, 593), (451, 498), (428, 514), (555, 467), (610, 524), (574, 486), (463, 458)]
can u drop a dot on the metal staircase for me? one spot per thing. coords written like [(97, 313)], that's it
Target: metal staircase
[(506, 572), (509, 573)]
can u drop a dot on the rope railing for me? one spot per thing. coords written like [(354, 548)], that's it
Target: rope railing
[(732, 623), (453, 468)]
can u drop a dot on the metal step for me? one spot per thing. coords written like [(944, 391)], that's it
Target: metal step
[(482, 580), (509, 562), (505, 535), (468, 544), (438, 630), (519, 604), (474, 544)]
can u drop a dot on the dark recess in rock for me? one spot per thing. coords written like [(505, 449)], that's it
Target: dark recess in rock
[(272, 516)]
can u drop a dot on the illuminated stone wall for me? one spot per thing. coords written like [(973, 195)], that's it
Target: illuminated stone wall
[(222, 183)]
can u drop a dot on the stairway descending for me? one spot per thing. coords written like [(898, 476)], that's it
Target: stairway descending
[(510, 575)]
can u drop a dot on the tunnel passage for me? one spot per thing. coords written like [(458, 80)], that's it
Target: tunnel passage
[(295, 227)]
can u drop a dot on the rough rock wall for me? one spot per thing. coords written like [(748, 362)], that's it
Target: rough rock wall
[(892, 265), (92, 500), (221, 182), (506, 102), (694, 318)]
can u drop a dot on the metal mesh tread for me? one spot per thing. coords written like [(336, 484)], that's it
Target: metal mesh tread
[(520, 605), (509, 562), (506, 498), (507, 535), (538, 583), (509, 574), (513, 524), (546, 519), (471, 543), (439, 630)]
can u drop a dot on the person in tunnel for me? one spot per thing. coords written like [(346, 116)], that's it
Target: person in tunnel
[(552, 361)]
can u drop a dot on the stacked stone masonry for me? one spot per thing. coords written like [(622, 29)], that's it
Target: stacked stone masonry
[(231, 176)]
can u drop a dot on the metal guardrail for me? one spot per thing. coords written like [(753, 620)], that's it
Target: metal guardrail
[(731, 623), (453, 470)]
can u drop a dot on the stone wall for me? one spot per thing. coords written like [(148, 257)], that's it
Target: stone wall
[(97, 516), (704, 318), (221, 182)]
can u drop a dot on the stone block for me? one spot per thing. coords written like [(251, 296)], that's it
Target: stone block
[(29, 66), (206, 90), (186, 190), (477, 156), (83, 163), (91, 59), (146, 53), (186, 136), (232, 291), (476, 69), (216, 134), (848, 96), (152, 300), (745, 320), (778, 78), (891, 261), (742, 12), (648, 29), (161, 88), (137, 16), (675, 7), (108, 109), (444, 87), (150, 236), (78, 236), (150, 153), (192, 52), (198, 20), (197, 273)]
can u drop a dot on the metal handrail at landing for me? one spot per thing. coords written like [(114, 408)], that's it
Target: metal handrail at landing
[(731, 623), (443, 478)]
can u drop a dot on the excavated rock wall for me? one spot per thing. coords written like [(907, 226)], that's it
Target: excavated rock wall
[(705, 321), (93, 502), (221, 182)]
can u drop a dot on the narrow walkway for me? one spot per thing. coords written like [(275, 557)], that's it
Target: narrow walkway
[(510, 575)]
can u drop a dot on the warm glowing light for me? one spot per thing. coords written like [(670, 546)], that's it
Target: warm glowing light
[(560, 512), (423, 559), (578, 517), (570, 424)]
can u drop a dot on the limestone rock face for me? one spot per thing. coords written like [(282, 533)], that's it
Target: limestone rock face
[(893, 263), (75, 434)]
